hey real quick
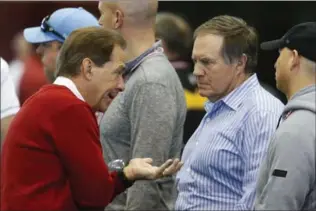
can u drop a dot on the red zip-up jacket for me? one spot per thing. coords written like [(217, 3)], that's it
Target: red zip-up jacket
[(52, 157)]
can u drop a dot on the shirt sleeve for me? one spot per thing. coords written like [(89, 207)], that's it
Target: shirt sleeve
[(9, 101), (76, 137), (290, 168), (260, 127), (153, 119)]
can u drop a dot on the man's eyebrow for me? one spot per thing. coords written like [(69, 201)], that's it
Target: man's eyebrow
[(203, 57), (208, 58)]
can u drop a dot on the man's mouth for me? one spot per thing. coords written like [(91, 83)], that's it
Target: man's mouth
[(113, 94)]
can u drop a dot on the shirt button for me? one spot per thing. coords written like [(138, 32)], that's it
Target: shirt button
[(196, 143)]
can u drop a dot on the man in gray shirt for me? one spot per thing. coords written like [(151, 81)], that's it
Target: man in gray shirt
[(146, 120), (287, 180)]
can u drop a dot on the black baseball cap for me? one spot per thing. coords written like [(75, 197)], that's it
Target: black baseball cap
[(301, 37)]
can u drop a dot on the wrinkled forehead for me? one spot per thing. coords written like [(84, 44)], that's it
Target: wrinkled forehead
[(207, 45)]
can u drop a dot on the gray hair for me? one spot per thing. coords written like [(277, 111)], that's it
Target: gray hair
[(239, 39)]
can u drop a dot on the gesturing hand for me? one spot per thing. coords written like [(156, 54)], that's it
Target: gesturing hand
[(141, 168)]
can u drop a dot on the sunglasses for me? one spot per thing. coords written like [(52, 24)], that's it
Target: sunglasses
[(45, 27)]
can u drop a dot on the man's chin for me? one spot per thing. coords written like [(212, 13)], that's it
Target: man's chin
[(102, 110), (203, 93), (105, 103)]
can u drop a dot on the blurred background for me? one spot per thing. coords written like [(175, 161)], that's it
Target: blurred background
[(271, 19)]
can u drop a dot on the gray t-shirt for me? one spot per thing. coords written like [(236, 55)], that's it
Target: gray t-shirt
[(146, 120)]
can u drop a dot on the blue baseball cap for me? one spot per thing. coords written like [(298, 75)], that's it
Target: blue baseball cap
[(59, 25)]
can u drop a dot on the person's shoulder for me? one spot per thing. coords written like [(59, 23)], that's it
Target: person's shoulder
[(298, 129), (4, 65), (157, 68), (54, 97), (158, 62), (300, 121), (262, 100), (4, 70)]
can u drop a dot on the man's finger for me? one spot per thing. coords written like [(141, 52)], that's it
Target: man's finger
[(162, 168), (148, 160), (176, 165), (180, 164)]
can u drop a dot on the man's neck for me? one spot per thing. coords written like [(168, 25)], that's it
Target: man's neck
[(138, 41), (293, 89), (239, 81), (84, 91)]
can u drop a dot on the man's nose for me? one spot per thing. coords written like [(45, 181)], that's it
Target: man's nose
[(100, 22), (121, 84), (197, 71)]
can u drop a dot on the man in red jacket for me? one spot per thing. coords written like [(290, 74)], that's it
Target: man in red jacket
[(54, 161)]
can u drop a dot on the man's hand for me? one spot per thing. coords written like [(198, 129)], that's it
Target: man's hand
[(141, 169)]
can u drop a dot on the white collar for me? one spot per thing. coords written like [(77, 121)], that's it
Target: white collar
[(63, 81)]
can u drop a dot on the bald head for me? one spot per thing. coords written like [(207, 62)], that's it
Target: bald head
[(134, 12), (139, 10)]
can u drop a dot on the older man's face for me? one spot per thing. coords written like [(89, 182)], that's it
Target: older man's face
[(109, 79), (215, 78)]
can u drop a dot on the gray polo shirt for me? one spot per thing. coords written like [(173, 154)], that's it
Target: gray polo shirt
[(146, 120)]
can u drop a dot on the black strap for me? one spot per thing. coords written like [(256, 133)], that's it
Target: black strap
[(288, 113), (279, 121), (126, 182)]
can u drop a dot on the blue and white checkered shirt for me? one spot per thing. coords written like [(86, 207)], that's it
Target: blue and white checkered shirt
[(222, 158)]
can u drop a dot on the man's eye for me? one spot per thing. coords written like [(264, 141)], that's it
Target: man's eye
[(205, 62)]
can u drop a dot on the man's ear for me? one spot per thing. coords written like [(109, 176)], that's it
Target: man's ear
[(86, 68), (241, 63), (294, 60), (119, 19)]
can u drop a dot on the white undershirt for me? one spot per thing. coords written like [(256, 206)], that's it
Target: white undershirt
[(63, 81)]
